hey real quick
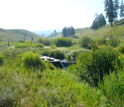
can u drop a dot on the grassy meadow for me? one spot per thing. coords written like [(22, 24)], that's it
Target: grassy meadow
[(96, 80)]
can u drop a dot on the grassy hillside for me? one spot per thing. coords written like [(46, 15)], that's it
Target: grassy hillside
[(116, 31), (81, 31), (16, 34)]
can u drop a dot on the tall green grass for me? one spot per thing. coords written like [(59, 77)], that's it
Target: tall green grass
[(1, 59), (113, 89), (49, 88)]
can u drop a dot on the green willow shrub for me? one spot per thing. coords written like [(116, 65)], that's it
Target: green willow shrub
[(1, 59), (93, 44), (85, 41), (92, 66), (45, 52), (88, 43), (40, 45), (72, 55), (114, 42), (121, 49), (47, 42), (54, 53), (113, 89), (57, 54), (63, 42), (32, 60), (44, 41), (7, 98)]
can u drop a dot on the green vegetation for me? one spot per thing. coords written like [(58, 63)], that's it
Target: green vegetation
[(122, 9), (98, 22), (111, 9), (88, 43), (32, 60), (68, 31), (92, 66), (95, 79), (113, 89), (46, 42), (1, 59), (16, 35), (54, 53), (121, 49), (73, 54), (63, 42), (85, 41), (114, 42)]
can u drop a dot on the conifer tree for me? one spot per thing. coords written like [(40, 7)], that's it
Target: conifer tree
[(98, 22), (109, 9), (68, 31), (65, 32), (122, 9), (72, 31), (116, 7)]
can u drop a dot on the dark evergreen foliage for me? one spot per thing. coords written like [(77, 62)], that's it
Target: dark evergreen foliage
[(98, 22), (122, 9), (68, 31), (109, 9), (116, 7), (63, 42)]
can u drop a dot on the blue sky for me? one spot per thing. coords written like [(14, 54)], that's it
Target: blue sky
[(48, 14)]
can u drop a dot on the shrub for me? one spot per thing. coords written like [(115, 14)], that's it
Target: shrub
[(57, 54), (85, 41), (114, 42), (92, 66), (54, 53), (45, 52), (44, 41), (121, 49), (47, 42), (39, 40), (39, 45), (93, 44), (32, 60), (72, 55), (63, 42), (63, 90), (45, 89), (113, 89), (7, 98), (1, 60), (53, 46)]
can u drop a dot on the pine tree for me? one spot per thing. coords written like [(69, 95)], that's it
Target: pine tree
[(116, 7), (65, 32), (109, 8), (98, 22), (72, 31), (122, 9), (54, 33), (68, 31)]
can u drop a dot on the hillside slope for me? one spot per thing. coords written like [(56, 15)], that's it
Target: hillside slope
[(117, 31), (16, 34)]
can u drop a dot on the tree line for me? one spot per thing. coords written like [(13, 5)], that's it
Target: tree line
[(68, 31), (112, 8)]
